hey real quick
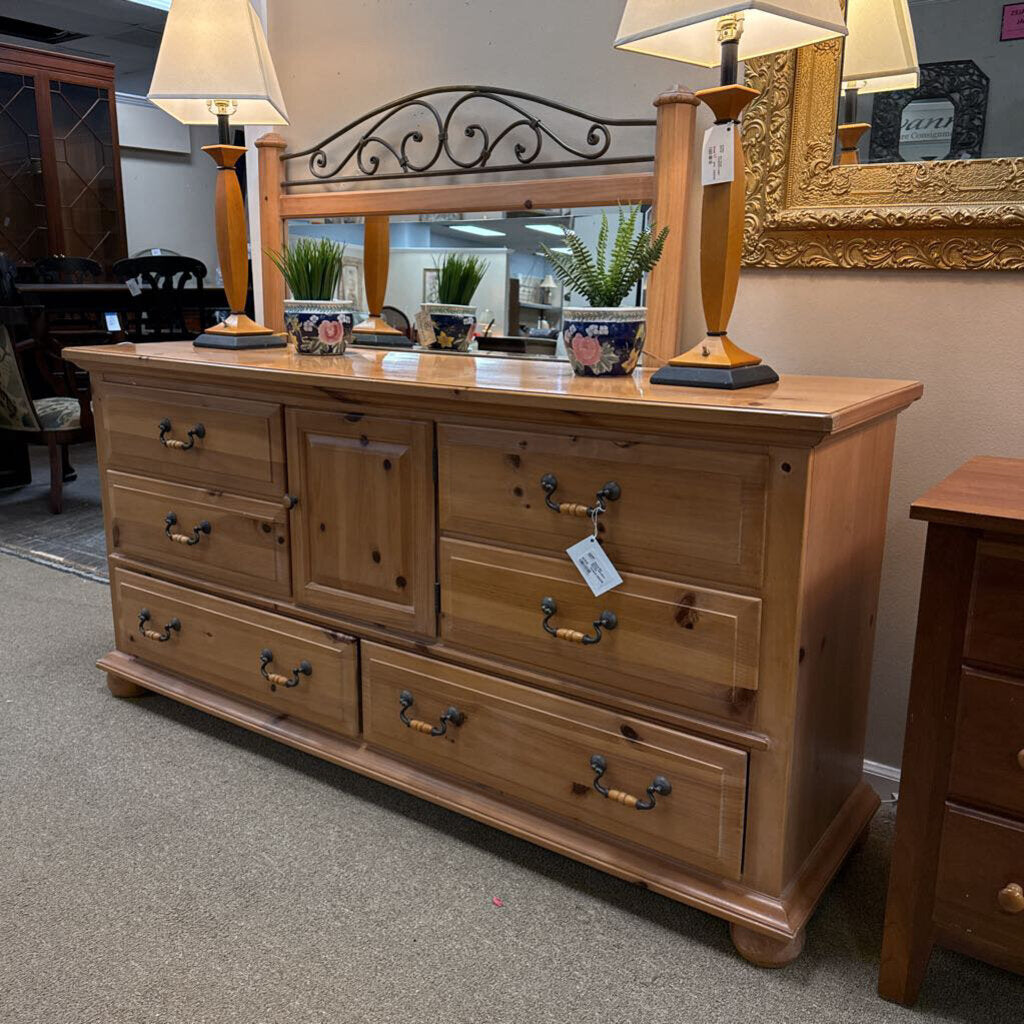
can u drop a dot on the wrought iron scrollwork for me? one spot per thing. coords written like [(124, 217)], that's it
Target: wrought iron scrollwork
[(428, 149)]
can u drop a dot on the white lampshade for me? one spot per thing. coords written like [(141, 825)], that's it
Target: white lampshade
[(686, 30), (216, 50), (881, 52)]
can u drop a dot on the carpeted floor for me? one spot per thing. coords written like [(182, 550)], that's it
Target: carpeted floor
[(160, 867)]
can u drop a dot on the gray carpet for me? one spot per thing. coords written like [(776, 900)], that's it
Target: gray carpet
[(160, 866)]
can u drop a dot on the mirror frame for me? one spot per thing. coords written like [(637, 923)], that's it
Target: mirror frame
[(805, 211)]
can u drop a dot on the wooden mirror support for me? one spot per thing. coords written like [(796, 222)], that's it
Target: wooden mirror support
[(376, 263)]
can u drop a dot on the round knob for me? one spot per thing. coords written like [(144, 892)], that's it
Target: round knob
[(1020, 759), (1011, 899)]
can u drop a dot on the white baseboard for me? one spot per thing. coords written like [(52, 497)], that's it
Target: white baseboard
[(884, 778)]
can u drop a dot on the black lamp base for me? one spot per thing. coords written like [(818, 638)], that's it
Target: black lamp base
[(240, 341), (716, 377)]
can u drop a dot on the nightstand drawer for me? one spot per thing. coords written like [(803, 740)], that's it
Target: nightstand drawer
[(979, 893), (294, 669), (230, 443), (668, 640), (232, 540), (680, 511), (541, 749), (995, 630), (988, 762)]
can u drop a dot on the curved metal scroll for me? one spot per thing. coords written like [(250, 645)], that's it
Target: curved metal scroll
[(425, 151)]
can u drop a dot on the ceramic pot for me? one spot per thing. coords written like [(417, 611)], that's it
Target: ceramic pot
[(319, 328), (445, 327), (604, 342)]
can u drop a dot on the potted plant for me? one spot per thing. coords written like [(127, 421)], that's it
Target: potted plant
[(606, 339), (317, 322), (449, 322)]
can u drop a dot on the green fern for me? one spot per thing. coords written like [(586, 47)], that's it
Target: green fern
[(606, 283), (311, 268)]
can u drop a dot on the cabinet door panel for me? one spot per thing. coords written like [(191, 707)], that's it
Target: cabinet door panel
[(363, 531)]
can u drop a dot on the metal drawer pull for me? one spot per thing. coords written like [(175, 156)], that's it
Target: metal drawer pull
[(606, 620), (152, 634), (183, 538), (290, 501), (169, 442), (660, 785), (610, 492), (275, 680), (1011, 899), (453, 715)]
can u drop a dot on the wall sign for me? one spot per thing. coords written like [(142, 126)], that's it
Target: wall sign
[(1013, 22)]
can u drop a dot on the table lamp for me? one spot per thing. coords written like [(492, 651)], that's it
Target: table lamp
[(880, 55), (712, 34), (213, 66)]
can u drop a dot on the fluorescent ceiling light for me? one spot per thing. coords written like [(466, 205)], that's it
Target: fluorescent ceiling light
[(472, 229), (160, 5), (547, 229), (561, 249)]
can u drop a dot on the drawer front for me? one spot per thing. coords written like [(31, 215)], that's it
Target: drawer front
[(229, 443), (539, 748), (670, 639), (223, 644), (988, 760), (679, 512), (995, 632), (240, 542), (980, 887)]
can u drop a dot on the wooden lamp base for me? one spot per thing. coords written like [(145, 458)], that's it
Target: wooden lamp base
[(238, 331), (849, 139)]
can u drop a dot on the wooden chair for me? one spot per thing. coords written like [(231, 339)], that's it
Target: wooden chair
[(171, 288), (68, 270), (397, 319)]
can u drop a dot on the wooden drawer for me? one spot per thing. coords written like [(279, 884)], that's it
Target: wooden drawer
[(995, 630), (538, 747), (671, 638), (980, 862), (241, 447), (682, 511), (221, 643), (245, 545), (988, 761)]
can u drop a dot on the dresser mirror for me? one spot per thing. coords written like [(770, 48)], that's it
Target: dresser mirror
[(934, 178)]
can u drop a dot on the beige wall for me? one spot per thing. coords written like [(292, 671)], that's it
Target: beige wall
[(960, 334)]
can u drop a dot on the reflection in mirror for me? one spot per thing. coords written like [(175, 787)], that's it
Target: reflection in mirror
[(966, 103), (515, 310)]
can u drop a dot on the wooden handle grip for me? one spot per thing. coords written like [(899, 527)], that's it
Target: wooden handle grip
[(172, 442), (180, 538), (152, 634), (279, 680), (420, 726), (622, 798), (1011, 899), (574, 636), (567, 508)]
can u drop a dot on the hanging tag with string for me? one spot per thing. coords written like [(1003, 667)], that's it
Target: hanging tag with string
[(594, 565)]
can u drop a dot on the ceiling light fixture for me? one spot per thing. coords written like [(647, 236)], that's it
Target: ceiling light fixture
[(472, 229), (546, 229)]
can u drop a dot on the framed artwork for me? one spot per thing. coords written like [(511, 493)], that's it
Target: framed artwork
[(430, 284), (1013, 23), (351, 284)]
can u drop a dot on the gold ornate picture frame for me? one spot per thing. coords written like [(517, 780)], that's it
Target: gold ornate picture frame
[(805, 211)]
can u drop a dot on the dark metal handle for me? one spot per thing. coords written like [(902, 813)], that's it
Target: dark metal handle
[(276, 680), (660, 785), (169, 442), (610, 492), (152, 634), (606, 620), (453, 715), (183, 538)]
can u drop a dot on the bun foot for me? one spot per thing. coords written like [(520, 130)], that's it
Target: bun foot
[(763, 950), (123, 688)]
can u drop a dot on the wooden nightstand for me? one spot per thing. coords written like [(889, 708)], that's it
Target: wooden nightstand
[(958, 864)]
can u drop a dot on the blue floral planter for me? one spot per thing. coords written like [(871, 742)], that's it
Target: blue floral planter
[(319, 328), (604, 342), (448, 328)]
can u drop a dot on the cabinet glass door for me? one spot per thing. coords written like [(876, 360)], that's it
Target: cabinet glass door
[(23, 222)]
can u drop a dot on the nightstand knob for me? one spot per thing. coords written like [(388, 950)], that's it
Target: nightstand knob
[(1011, 899), (1020, 759)]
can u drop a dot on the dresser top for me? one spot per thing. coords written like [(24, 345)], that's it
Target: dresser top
[(817, 405), (983, 494)]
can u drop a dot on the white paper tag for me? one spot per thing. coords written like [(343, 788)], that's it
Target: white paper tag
[(134, 287), (595, 566), (154, 252), (113, 323), (718, 161)]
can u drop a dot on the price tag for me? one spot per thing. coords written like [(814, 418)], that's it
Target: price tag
[(595, 566), (154, 252), (134, 287), (113, 323), (718, 160)]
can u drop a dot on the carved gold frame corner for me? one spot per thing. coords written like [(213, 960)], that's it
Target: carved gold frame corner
[(805, 211)]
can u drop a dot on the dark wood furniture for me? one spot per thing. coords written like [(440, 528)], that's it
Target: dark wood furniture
[(957, 875), (171, 288), (60, 190), (334, 551)]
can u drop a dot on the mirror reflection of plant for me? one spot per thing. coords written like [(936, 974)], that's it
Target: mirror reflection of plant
[(458, 277), (606, 282), (311, 268)]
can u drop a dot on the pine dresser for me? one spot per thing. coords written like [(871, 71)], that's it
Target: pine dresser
[(365, 557)]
